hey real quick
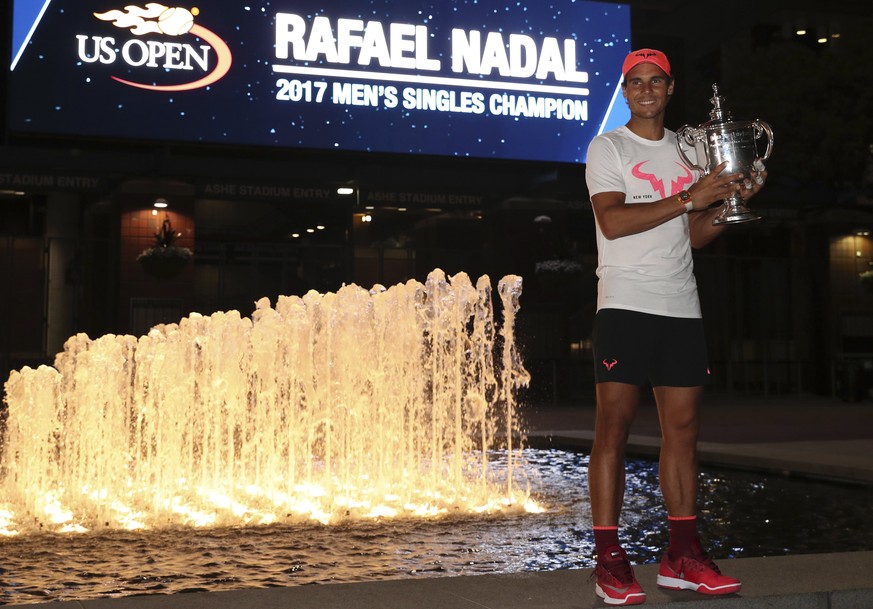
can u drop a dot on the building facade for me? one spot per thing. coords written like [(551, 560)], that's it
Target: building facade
[(787, 307)]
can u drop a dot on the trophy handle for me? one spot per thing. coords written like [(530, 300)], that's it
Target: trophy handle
[(690, 135), (760, 128)]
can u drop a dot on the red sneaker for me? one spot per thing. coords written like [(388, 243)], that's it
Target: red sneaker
[(616, 583), (695, 571)]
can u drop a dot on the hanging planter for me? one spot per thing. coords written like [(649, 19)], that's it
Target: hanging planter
[(559, 280), (164, 259), (867, 279), (164, 262)]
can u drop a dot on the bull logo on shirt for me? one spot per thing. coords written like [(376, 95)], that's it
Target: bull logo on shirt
[(676, 186)]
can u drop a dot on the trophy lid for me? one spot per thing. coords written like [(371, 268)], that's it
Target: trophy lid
[(718, 113)]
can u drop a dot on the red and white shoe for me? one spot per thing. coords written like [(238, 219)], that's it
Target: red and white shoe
[(695, 571), (616, 583)]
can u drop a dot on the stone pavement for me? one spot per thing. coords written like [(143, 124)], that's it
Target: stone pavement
[(801, 435)]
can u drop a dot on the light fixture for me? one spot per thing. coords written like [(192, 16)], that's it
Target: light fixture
[(345, 190), (161, 203)]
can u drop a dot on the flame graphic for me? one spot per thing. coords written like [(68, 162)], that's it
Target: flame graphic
[(153, 19), (157, 18)]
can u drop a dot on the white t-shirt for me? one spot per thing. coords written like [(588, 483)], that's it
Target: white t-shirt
[(652, 271)]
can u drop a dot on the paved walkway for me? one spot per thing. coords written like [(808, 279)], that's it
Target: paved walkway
[(804, 435), (811, 436)]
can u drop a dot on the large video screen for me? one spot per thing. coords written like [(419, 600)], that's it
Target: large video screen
[(467, 78)]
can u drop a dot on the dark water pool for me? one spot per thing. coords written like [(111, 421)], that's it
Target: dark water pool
[(743, 514)]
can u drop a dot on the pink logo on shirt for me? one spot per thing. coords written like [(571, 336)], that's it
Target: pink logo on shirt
[(676, 186)]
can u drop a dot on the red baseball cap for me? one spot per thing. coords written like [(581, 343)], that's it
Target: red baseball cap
[(645, 56)]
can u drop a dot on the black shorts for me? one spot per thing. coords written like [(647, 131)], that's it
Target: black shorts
[(640, 348)]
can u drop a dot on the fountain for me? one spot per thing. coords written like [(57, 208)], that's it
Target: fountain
[(349, 405)]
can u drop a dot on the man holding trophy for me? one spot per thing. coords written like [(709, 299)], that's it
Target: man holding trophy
[(650, 210)]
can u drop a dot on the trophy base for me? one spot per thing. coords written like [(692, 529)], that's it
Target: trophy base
[(734, 212), (735, 218)]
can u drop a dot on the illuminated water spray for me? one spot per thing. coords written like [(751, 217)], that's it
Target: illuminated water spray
[(349, 405)]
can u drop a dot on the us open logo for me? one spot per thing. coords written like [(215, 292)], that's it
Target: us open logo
[(153, 49)]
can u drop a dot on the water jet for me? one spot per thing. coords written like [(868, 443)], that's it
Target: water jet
[(355, 404)]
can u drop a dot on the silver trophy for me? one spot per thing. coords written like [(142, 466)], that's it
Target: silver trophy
[(722, 139)]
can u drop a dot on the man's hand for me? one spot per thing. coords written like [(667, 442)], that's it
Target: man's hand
[(755, 182), (714, 187)]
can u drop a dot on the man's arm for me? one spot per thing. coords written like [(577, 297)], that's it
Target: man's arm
[(616, 219)]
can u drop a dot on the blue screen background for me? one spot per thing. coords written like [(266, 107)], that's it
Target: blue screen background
[(53, 92)]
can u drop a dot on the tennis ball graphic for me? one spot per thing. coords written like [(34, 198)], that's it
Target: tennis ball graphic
[(175, 21)]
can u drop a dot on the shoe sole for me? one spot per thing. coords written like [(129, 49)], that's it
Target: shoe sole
[(631, 599), (674, 583)]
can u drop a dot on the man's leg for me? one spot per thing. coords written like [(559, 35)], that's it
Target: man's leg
[(678, 412), (616, 408), (685, 566)]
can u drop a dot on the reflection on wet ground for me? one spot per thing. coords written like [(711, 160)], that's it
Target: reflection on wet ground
[(743, 515)]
